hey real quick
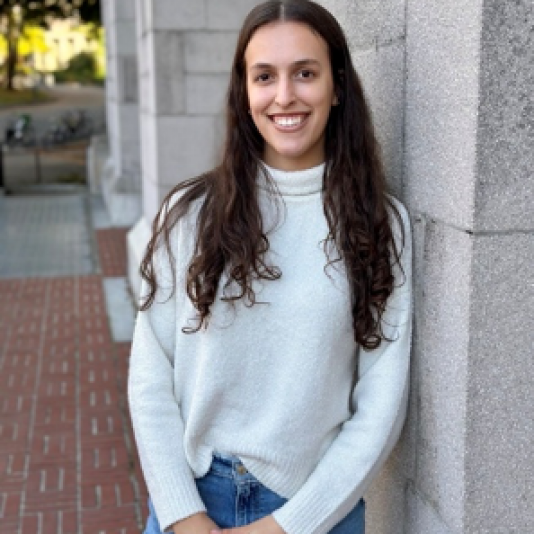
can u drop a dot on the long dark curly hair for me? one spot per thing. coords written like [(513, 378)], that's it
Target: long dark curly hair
[(230, 234)]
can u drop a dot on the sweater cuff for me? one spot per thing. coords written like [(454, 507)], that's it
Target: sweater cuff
[(175, 498), (313, 508)]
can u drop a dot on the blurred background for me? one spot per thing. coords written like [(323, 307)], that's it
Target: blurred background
[(67, 457), (52, 73)]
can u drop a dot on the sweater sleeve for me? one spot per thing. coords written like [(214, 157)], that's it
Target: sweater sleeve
[(366, 439), (156, 416)]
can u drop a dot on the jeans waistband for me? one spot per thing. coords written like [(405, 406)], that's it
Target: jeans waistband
[(225, 457), (229, 466)]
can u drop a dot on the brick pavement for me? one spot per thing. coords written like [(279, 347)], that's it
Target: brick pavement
[(112, 250), (68, 463)]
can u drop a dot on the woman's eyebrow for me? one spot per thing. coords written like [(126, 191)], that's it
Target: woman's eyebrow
[(299, 63)]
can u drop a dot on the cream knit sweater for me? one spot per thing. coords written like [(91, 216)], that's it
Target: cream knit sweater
[(271, 383)]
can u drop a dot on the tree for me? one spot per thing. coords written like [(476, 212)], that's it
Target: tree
[(15, 14)]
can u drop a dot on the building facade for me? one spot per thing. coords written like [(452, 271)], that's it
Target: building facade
[(450, 86)]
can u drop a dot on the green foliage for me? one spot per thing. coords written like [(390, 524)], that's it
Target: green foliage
[(16, 14), (100, 54), (37, 10), (83, 62), (82, 69), (31, 40), (89, 10)]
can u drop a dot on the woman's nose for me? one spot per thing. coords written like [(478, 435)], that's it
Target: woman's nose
[(284, 93)]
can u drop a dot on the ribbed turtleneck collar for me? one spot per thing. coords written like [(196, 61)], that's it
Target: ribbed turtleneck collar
[(296, 183)]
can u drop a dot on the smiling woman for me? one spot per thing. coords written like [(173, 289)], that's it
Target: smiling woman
[(270, 361), (291, 91)]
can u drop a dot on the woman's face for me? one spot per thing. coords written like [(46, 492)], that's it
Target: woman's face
[(290, 93)]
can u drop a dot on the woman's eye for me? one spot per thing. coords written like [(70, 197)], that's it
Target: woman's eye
[(306, 74), (263, 77)]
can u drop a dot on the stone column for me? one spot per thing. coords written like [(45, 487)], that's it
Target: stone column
[(121, 180), (185, 53), (468, 169)]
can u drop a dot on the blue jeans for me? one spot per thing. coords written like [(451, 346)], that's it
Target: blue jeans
[(234, 498)]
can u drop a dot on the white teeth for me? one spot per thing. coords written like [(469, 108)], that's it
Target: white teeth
[(288, 121)]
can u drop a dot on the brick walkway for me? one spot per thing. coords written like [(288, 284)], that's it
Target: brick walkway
[(68, 463), (112, 251)]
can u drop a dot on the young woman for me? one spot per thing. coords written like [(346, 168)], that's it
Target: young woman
[(269, 368)]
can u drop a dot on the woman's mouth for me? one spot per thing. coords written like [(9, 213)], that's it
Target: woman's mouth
[(288, 122)]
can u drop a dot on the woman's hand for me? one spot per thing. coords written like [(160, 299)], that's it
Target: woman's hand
[(267, 525), (195, 524)]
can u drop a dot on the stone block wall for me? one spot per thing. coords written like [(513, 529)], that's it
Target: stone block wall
[(442, 65), (185, 51), (500, 400), (468, 163)]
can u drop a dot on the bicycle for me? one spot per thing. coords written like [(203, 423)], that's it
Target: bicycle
[(71, 125), (20, 132)]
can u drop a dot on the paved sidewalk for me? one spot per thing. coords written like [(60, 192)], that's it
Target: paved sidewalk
[(45, 236), (68, 463)]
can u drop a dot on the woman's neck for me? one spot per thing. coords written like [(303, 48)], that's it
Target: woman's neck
[(298, 182)]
